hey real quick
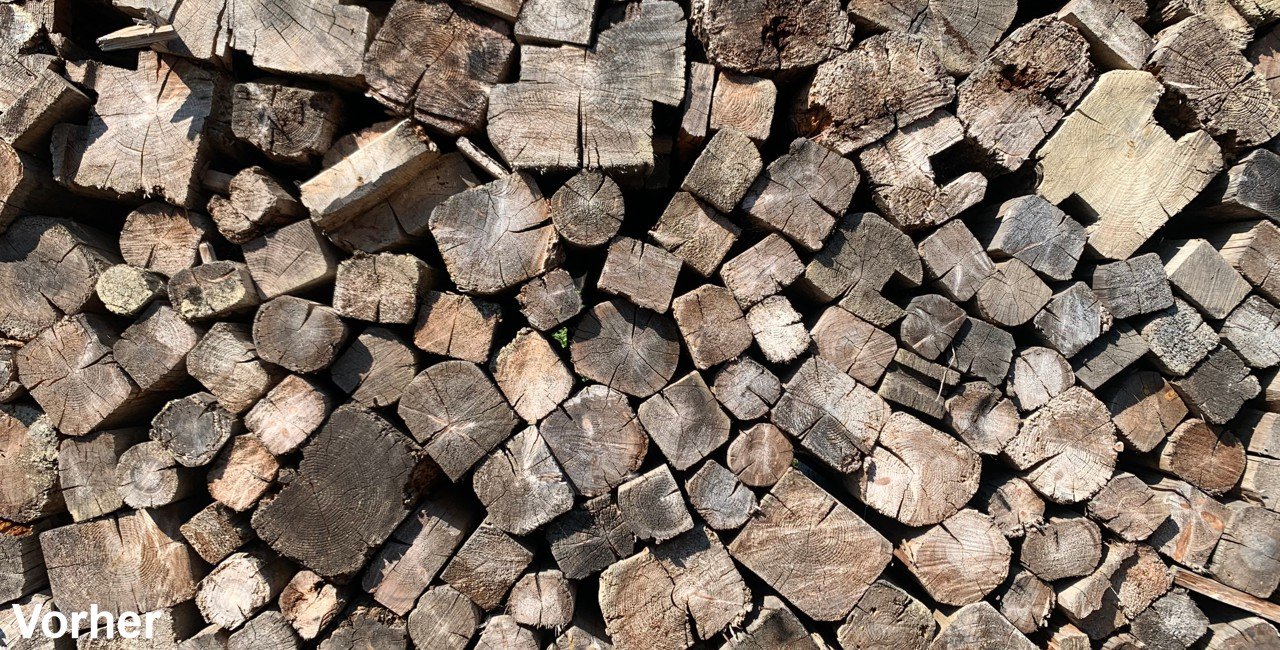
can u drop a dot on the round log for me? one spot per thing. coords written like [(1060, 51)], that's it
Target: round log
[(240, 587), (917, 474), (194, 428), (588, 209), (1067, 448), (760, 455), (127, 290), (626, 348), (443, 619), (163, 238), (148, 476), (1038, 375), (456, 412), (1065, 547), (544, 599), (979, 413)]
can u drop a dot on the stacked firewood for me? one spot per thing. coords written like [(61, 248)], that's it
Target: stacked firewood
[(640, 324)]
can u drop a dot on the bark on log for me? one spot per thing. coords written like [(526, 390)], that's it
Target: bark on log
[(194, 429), (30, 462)]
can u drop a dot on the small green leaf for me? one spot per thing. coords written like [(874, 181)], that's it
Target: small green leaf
[(562, 337)]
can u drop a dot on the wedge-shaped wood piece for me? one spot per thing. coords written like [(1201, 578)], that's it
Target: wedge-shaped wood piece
[(443, 618), (255, 201), (1244, 558), (1108, 356), (1129, 579), (522, 485), (544, 599), (929, 325), (724, 170), (712, 325), (802, 193), (685, 420), (1012, 294), (597, 439), (1261, 481), (1012, 504), (290, 259), (761, 271), (216, 532), (1067, 448), (627, 348), (1133, 287), (242, 473), (1008, 120), (903, 182), (1038, 233), (313, 521), (270, 629), (456, 412), (1244, 192), (49, 100), (917, 474), (955, 261), (1253, 250), (771, 623), (48, 268), (154, 349), (417, 550), (694, 232), (146, 134), (819, 30), (888, 617), (1128, 507), (1025, 601), (719, 497), (889, 81), (653, 506), (673, 594), (1194, 526), (747, 389), (1178, 338), (982, 417), (590, 537), (858, 348), (1219, 386), (98, 562), (1210, 459), (979, 625), (982, 350), (1145, 408), (593, 107), (1201, 275), (1131, 189), (833, 416), (1116, 41), (486, 566), (813, 550), (959, 561), (695, 117), (297, 334), (436, 61), (457, 326)]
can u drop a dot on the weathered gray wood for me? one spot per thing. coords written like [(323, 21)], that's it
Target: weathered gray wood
[(982, 350), (778, 329), (1038, 375), (846, 265), (773, 624), (724, 171), (1250, 632), (486, 566), (290, 124), (87, 471), (457, 326), (1127, 581), (597, 439), (959, 561), (148, 476), (1245, 557), (50, 268), (761, 271), (297, 334), (916, 474), (653, 506), (522, 485), (30, 464), (22, 570), (1253, 331), (1194, 525), (982, 417), (853, 345), (1067, 448), (719, 497), (382, 288), (1219, 386), (818, 31), (163, 238), (1261, 432), (444, 618), (695, 117), (693, 231), (214, 289), (712, 325), (1200, 274), (929, 325), (1245, 190), (555, 21), (834, 417), (887, 617), (1108, 356), (1026, 601), (1178, 338), (550, 299), (457, 413), (1145, 408), (269, 629), (1172, 621), (194, 428), (544, 599), (1128, 507), (643, 273), (954, 259), (216, 532), (979, 625), (50, 99), (1116, 41), (1065, 547), (288, 414), (1259, 483), (1012, 294), (375, 368), (685, 421), (590, 537), (747, 389), (629, 349), (1073, 318), (588, 209), (291, 259), (744, 103), (1012, 504), (803, 193), (531, 375), (1253, 250), (1203, 456), (255, 201), (417, 550)]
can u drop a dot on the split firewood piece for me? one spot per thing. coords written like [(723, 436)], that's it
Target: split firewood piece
[(309, 604), (289, 260), (404, 217), (291, 125), (370, 174), (858, 348), (148, 476), (550, 21), (724, 171), (166, 103), (1116, 41), (1219, 386), (887, 617), (458, 415), (1067, 448), (1130, 578), (597, 439), (503, 633), (98, 562), (495, 236), (1241, 192), (214, 289), (544, 599), (1025, 601), (588, 209), (487, 565), (437, 62), (904, 386), (816, 31), (694, 232), (1128, 508), (30, 465), (312, 521), (242, 473), (22, 570), (270, 629), (1174, 620), (50, 99), (241, 586), (962, 33), (629, 349), (979, 625), (917, 474), (444, 618), (298, 334), (673, 594), (822, 584), (194, 429), (903, 182), (457, 326), (1244, 558), (590, 537), (959, 561), (982, 350), (1253, 250), (1202, 456), (720, 497), (1178, 338), (1131, 190), (1012, 504), (27, 187), (653, 506), (531, 375), (1195, 524), (1073, 318), (375, 368), (1012, 294), (954, 260), (1038, 233), (1261, 482), (862, 256), (1108, 356), (1249, 632), (1133, 287), (1038, 375), (288, 414), (1196, 60), (71, 372), (802, 193), (1008, 119), (1261, 431), (929, 325), (1065, 547), (550, 299), (744, 103), (685, 420), (126, 290), (1200, 274), (87, 471), (163, 238), (417, 550), (643, 273), (778, 330), (772, 623), (50, 268), (834, 417), (255, 201), (216, 532), (574, 107), (889, 80), (521, 485), (761, 271), (695, 119), (982, 417), (747, 389)]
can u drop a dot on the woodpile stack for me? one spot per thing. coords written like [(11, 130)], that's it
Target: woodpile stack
[(642, 323)]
